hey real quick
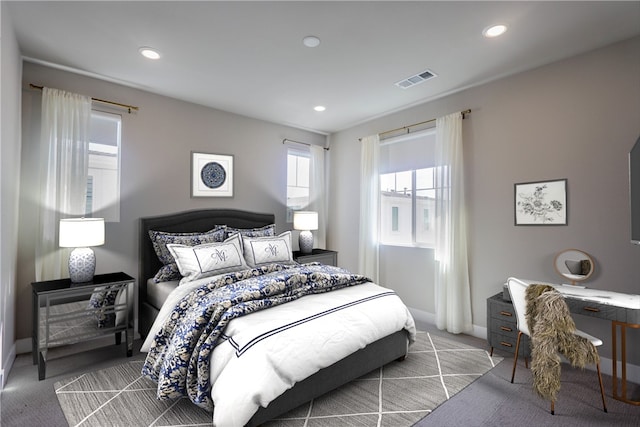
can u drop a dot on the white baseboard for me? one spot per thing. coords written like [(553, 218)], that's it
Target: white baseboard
[(430, 318), (23, 346), (423, 316), (479, 332), (6, 368), (606, 366)]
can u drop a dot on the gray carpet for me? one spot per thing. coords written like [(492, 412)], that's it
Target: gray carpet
[(494, 401), (399, 394)]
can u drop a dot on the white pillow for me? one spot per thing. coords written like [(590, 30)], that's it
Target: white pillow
[(209, 259), (268, 250)]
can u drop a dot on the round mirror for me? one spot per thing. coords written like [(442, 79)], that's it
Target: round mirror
[(574, 265)]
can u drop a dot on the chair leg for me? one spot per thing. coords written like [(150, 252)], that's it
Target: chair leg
[(604, 405), (491, 354), (515, 358)]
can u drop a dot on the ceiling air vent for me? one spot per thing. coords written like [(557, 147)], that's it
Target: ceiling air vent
[(416, 79)]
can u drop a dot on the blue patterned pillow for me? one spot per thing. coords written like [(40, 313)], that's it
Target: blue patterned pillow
[(267, 230), (160, 240), (167, 273), (103, 297)]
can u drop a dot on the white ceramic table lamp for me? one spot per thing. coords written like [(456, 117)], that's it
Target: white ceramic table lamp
[(305, 221), (81, 234)]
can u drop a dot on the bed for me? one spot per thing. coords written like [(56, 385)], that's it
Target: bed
[(392, 346)]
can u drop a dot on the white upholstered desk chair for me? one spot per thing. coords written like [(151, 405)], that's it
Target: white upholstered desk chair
[(517, 290)]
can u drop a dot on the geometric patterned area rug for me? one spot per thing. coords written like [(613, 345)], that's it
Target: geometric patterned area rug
[(398, 394)]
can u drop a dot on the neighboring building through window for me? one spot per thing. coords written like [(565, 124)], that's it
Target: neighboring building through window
[(103, 181), (298, 162), (407, 190), (394, 218)]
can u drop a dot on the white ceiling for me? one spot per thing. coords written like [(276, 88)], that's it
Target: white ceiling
[(248, 57)]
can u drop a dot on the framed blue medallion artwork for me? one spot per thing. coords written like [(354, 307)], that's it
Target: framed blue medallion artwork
[(211, 175)]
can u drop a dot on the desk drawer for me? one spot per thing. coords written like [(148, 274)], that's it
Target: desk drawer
[(594, 309), (500, 309), (504, 328), (508, 343), (504, 313)]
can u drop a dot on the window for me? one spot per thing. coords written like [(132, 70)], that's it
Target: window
[(394, 218), (424, 204), (407, 190), (103, 181), (298, 162)]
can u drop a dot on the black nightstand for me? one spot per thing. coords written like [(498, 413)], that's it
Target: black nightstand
[(62, 315), (317, 255)]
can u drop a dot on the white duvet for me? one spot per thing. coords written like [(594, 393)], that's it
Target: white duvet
[(267, 352)]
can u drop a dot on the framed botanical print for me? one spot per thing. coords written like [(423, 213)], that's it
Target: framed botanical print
[(211, 175), (541, 203)]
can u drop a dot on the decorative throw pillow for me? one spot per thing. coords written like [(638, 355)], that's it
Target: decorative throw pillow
[(167, 273), (210, 259), (267, 250), (102, 298), (160, 240), (267, 230)]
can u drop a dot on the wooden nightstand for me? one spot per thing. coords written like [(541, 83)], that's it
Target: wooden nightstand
[(62, 315), (317, 255)]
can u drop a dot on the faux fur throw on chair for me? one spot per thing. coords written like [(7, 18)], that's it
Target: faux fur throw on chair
[(552, 328)]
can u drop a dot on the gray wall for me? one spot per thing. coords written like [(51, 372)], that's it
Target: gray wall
[(11, 66), (575, 119), (156, 145)]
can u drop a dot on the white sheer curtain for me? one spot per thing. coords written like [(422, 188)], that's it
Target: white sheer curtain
[(369, 207), (452, 290), (317, 193), (63, 173)]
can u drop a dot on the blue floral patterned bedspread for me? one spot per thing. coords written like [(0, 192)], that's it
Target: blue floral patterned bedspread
[(179, 357)]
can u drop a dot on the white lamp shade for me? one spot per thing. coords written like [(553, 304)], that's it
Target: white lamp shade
[(305, 220), (81, 232)]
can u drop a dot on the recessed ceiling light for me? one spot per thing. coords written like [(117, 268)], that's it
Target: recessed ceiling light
[(311, 41), (319, 108), (494, 31), (148, 52)]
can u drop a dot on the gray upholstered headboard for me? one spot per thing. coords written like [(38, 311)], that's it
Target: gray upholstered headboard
[(186, 222)]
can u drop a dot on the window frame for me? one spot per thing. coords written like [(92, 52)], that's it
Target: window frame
[(97, 157), (417, 219), (298, 153)]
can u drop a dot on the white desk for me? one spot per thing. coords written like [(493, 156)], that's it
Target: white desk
[(624, 312), (614, 299)]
